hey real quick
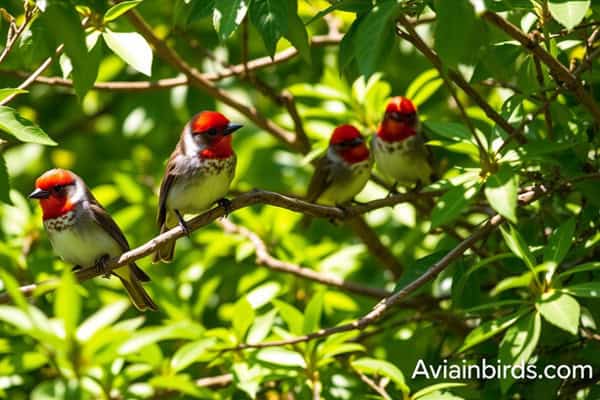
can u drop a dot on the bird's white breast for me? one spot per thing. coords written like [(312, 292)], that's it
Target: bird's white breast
[(399, 164), (198, 191), (79, 240)]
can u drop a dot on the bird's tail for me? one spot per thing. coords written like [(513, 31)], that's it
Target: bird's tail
[(165, 251), (131, 280)]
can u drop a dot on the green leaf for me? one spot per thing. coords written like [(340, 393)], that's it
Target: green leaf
[(11, 286), (452, 204), (65, 25), (588, 289), (243, 316), (501, 191), (517, 245), (454, 28), (228, 15), (186, 355), (119, 9), (449, 130), (282, 357), (147, 336), (180, 384), (373, 35), (187, 11), (312, 314), (592, 266), (270, 19), (22, 129), (568, 13), (560, 242), (297, 35), (4, 93), (426, 90), (291, 315), (261, 327), (132, 48), (560, 310), (384, 368), (101, 319), (435, 388), (4, 182), (67, 304), (488, 329), (519, 343)]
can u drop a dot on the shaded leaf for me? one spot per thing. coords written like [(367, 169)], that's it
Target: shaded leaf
[(270, 19), (4, 93), (488, 329), (67, 304), (588, 289), (452, 204), (560, 242), (228, 15)]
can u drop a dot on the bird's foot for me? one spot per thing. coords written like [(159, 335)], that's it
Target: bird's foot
[(76, 268), (101, 266), (393, 190), (344, 210), (418, 186), (226, 204), (183, 224)]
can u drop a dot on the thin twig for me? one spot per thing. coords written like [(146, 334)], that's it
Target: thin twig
[(558, 70), (14, 33), (40, 70), (196, 79), (264, 258)]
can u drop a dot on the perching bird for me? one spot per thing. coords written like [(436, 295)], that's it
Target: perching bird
[(198, 173), (399, 146), (343, 171), (83, 233)]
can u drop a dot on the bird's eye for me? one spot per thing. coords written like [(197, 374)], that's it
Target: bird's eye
[(58, 188), (212, 132)]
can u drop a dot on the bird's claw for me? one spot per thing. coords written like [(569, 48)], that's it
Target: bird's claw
[(101, 266), (183, 224), (226, 204)]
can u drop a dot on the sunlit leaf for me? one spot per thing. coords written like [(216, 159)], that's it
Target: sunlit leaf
[(132, 48), (501, 191), (560, 310), (374, 366), (568, 12), (119, 9), (21, 128), (488, 329)]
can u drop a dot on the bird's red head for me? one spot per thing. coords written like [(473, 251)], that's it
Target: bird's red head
[(212, 131), (347, 141), (53, 189), (400, 120)]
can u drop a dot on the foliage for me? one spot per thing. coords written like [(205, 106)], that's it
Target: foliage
[(527, 292)]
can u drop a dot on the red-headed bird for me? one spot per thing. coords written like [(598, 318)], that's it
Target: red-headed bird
[(198, 173), (343, 171), (399, 146), (82, 233)]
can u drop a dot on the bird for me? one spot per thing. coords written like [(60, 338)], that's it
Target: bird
[(82, 233), (399, 146), (343, 171), (198, 174)]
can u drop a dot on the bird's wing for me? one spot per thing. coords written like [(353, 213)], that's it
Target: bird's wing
[(322, 178), (103, 218), (165, 186)]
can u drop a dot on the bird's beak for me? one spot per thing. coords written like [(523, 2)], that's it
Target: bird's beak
[(230, 128), (39, 194)]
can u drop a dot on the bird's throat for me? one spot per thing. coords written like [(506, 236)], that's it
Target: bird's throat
[(219, 150), (54, 207)]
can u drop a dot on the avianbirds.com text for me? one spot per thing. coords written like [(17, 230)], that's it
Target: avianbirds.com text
[(496, 370)]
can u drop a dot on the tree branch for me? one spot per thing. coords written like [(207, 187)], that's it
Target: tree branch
[(384, 305), (14, 32), (558, 70), (264, 258), (167, 83), (195, 78), (244, 200)]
